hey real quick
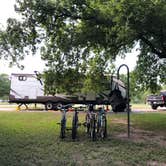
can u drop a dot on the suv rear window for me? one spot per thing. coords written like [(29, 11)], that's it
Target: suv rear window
[(163, 93)]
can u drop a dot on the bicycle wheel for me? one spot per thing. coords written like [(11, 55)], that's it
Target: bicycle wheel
[(98, 125), (105, 127), (93, 128), (102, 131), (74, 126), (88, 128), (87, 123), (63, 128)]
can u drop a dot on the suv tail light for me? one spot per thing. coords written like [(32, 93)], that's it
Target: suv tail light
[(163, 98)]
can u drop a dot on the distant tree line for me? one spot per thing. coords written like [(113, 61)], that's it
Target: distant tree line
[(53, 84), (4, 86)]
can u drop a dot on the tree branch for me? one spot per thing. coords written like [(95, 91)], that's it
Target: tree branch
[(67, 14), (161, 54)]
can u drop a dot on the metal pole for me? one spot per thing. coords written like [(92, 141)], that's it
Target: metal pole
[(128, 96)]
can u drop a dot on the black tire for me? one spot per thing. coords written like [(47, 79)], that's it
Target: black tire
[(74, 126), (59, 106), (63, 128), (105, 128), (87, 124), (88, 128), (93, 129), (102, 130), (154, 107), (49, 106), (98, 126)]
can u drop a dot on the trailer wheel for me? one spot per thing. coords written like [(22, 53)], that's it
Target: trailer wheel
[(154, 107), (49, 106), (59, 106)]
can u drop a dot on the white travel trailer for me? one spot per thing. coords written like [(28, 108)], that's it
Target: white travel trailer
[(27, 88)]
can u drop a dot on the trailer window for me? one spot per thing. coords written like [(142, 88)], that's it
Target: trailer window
[(22, 78)]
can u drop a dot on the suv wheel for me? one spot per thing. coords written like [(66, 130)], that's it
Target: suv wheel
[(154, 107)]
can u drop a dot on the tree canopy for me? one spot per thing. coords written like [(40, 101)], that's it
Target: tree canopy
[(87, 35)]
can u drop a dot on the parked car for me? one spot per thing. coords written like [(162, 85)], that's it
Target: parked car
[(157, 100)]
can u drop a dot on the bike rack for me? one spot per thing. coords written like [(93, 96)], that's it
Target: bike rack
[(128, 96), (74, 128)]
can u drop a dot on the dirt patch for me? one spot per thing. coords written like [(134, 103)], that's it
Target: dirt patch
[(155, 163), (95, 162), (139, 136), (78, 157)]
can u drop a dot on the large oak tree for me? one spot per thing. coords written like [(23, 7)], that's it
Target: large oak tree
[(87, 35)]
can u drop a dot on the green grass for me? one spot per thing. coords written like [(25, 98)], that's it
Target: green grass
[(32, 138), (155, 122), (140, 106)]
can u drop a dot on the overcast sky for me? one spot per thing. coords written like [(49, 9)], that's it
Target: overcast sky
[(32, 63)]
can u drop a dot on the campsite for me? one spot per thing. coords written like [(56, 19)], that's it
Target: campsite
[(83, 83), (33, 138)]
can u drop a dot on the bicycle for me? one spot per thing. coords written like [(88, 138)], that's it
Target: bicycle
[(64, 110), (101, 123), (91, 119), (96, 123)]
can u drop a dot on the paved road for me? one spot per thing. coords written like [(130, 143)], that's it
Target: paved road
[(136, 110), (12, 107), (7, 109), (148, 109)]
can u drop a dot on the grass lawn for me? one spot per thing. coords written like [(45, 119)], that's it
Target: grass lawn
[(32, 138), (140, 106)]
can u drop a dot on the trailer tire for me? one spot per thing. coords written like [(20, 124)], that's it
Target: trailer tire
[(59, 106), (49, 106), (154, 107), (119, 108)]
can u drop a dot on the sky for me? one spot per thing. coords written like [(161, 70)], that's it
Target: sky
[(32, 63)]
